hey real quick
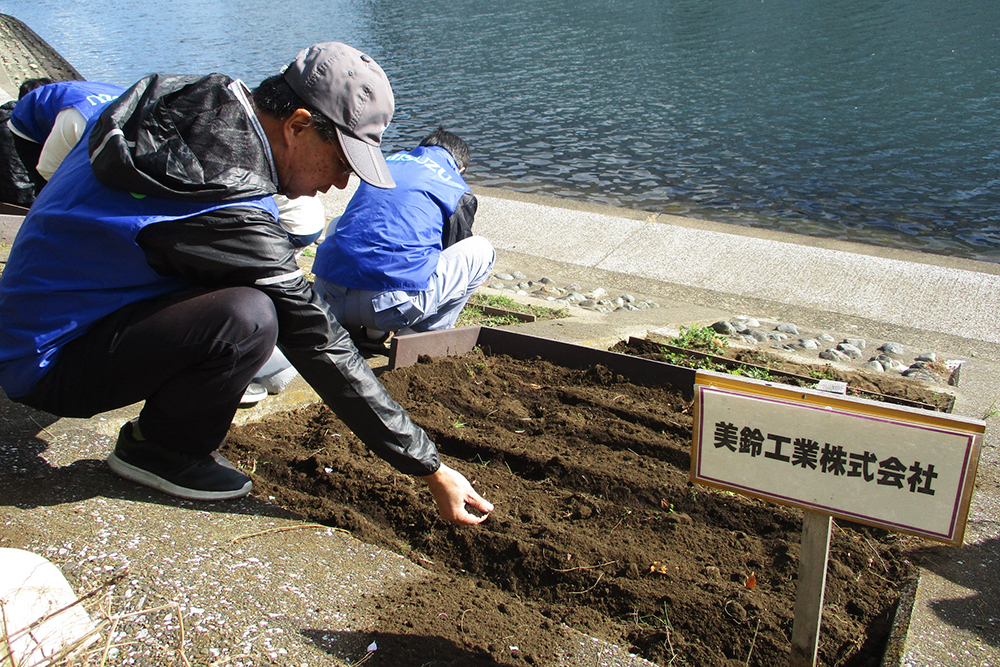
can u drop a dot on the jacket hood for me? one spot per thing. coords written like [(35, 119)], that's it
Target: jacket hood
[(182, 137)]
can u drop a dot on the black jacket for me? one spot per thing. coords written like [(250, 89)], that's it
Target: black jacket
[(193, 138)]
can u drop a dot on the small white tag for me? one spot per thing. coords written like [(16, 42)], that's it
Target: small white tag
[(832, 386)]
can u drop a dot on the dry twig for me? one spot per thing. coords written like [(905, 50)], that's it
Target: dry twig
[(877, 555), (753, 643), (368, 656), (461, 620), (281, 529), (228, 659), (587, 567), (46, 430), (9, 638), (589, 589), (180, 648), (75, 655), (624, 516)]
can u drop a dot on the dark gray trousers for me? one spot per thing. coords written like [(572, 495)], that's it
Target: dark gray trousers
[(189, 356)]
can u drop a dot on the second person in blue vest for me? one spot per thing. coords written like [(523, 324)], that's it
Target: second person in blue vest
[(49, 120), (404, 260)]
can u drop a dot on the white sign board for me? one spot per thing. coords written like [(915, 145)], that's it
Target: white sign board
[(898, 468)]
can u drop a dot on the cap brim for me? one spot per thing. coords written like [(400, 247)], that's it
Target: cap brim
[(366, 161)]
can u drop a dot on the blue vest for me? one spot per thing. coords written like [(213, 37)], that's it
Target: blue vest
[(36, 112), (390, 239), (75, 260)]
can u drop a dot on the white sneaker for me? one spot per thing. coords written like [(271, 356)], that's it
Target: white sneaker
[(373, 340), (254, 394), (275, 384)]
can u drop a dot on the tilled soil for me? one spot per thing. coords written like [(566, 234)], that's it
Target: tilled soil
[(596, 527)]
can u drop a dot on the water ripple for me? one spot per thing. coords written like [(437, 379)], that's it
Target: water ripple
[(875, 121)]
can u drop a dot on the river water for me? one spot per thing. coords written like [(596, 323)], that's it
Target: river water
[(874, 121)]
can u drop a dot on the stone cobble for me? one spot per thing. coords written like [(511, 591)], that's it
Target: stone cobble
[(597, 299), (783, 337), (885, 357)]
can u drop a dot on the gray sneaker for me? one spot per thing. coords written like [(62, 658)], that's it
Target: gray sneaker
[(207, 477)]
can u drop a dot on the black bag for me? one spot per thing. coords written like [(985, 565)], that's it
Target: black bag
[(459, 225), (16, 186)]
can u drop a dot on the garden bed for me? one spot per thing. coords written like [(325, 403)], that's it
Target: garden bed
[(597, 527)]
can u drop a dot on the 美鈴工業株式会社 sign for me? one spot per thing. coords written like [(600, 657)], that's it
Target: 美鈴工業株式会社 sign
[(902, 469)]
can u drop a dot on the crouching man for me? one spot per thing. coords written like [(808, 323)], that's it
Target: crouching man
[(152, 268)]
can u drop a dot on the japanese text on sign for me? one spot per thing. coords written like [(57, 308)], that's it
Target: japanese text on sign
[(898, 468), (828, 459)]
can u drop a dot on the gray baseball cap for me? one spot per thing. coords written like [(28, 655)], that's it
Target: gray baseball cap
[(350, 89)]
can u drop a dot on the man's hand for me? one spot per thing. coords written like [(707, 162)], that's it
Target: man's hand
[(452, 492)]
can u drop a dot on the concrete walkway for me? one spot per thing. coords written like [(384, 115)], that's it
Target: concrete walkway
[(960, 298)]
